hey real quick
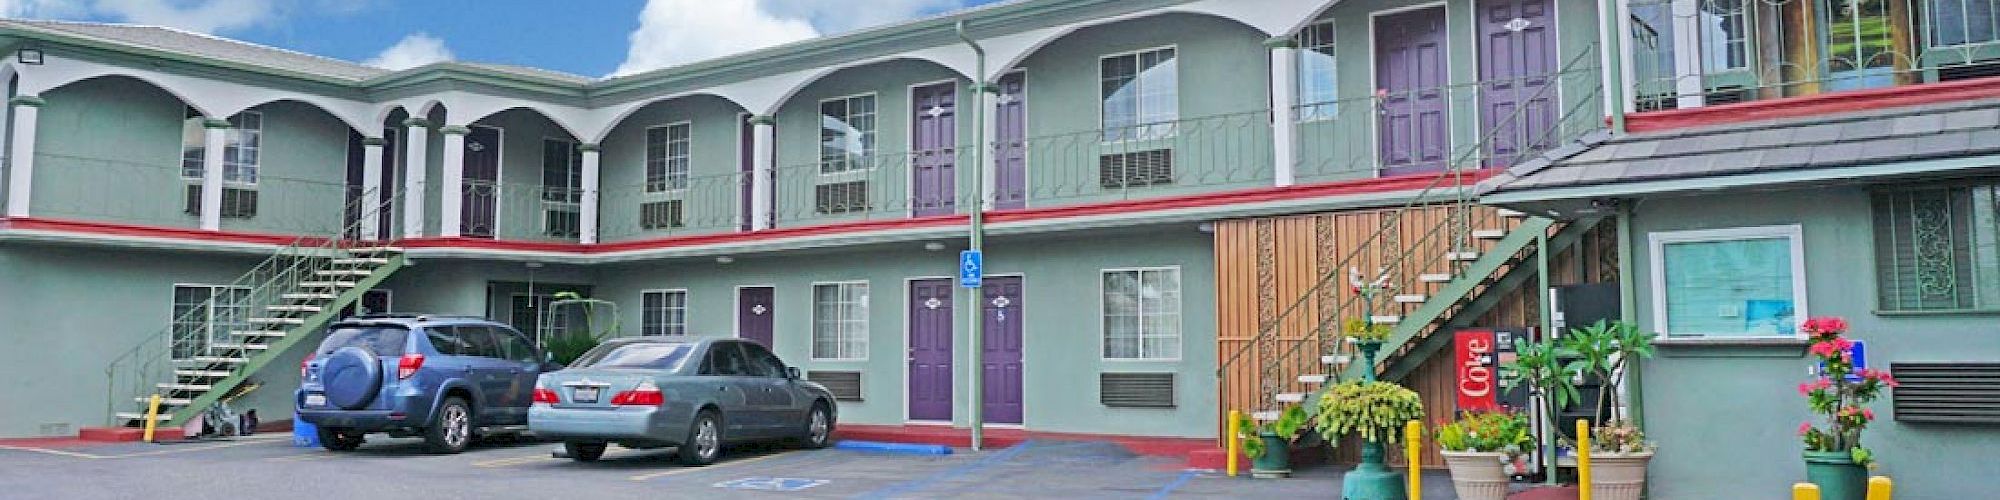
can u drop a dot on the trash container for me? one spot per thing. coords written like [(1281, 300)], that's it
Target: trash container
[(304, 434)]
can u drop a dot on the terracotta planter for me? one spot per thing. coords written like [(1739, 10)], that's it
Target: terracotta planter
[(1618, 476), (1836, 474), (1477, 475)]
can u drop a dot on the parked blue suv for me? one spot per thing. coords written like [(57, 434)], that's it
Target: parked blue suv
[(447, 379)]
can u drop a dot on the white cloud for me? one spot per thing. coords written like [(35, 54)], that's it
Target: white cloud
[(673, 32), (412, 51), (41, 9), (203, 16)]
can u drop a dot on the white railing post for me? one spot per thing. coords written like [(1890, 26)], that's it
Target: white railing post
[(371, 188), (21, 166), (451, 205), (1284, 80), (762, 139), (213, 143), (587, 213), (416, 140), (1689, 87)]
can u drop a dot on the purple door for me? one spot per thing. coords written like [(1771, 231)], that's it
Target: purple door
[(1001, 357), (933, 146), (482, 183), (754, 309), (1516, 58), (930, 349), (391, 138), (356, 154), (1010, 155), (746, 143), (1410, 71)]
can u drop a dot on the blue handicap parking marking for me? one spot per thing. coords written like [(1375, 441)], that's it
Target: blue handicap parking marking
[(771, 483)]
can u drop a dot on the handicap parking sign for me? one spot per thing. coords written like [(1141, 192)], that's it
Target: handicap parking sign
[(771, 483), (971, 268)]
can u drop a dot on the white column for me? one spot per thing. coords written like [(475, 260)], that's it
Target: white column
[(1688, 84), (416, 140), (989, 170), (587, 214), (368, 208), (1284, 79), (762, 139), (213, 143), (451, 205), (21, 165)]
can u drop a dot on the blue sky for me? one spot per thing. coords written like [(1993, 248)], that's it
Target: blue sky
[(586, 37)]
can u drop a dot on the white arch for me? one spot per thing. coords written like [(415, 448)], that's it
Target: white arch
[(1267, 17), (209, 97), (770, 93), (612, 116)]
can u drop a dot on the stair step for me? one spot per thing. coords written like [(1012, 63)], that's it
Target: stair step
[(184, 387), (1489, 234), (259, 333), (234, 345), (1410, 299), (1435, 278), (1385, 319), (294, 308), (342, 272), (217, 359), (327, 284), (201, 373), (1511, 213), (277, 321), (1335, 359), (1266, 416), (132, 415), (1461, 256), (164, 401), (1312, 379), (378, 261), (374, 250), (309, 296), (1292, 397)]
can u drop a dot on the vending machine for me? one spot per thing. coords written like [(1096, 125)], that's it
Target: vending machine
[(1479, 358)]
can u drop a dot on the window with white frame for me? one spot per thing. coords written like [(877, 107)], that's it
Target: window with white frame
[(1964, 22), (1737, 282), (1317, 78), (1142, 313), (846, 133), (840, 321), (206, 314), (663, 312), (667, 157), (1725, 35), (1937, 247), (562, 188), (1140, 94), (241, 152)]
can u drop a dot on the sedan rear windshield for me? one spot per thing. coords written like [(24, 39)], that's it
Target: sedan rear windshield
[(650, 356), (380, 340)]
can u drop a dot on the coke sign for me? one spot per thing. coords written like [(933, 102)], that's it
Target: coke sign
[(1478, 382)]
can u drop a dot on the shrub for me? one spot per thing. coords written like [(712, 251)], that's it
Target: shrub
[(1375, 410)]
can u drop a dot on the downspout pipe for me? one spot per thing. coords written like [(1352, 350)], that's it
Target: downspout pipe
[(976, 230)]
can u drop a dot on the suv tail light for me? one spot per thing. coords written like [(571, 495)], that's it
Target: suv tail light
[(409, 365), (545, 396), (303, 363), (646, 394)]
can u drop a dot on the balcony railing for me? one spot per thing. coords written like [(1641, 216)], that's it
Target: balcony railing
[(1689, 53), (699, 204), (519, 211), (158, 194)]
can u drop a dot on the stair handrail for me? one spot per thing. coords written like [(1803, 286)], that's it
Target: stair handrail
[(1454, 172), (143, 364)]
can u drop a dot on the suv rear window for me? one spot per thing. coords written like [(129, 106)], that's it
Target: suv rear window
[(381, 340), (649, 355)]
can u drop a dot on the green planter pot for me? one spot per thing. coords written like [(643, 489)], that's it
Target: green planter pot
[(1836, 474), (1276, 462)]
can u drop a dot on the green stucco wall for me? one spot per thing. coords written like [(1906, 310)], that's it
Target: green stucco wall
[(1062, 334), (1726, 418), (712, 201), (889, 182)]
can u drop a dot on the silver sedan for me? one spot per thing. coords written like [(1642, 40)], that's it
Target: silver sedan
[(696, 395)]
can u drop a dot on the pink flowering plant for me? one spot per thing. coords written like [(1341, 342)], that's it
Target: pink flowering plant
[(1833, 397)]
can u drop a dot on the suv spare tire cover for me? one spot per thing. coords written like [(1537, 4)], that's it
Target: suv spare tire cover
[(351, 375)]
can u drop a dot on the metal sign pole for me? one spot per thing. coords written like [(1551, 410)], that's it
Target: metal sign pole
[(973, 321)]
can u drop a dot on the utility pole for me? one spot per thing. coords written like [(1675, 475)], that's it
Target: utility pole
[(975, 317)]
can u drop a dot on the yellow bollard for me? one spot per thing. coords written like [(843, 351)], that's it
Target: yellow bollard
[(1583, 459), (1235, 441), (1805, 491), (152, 416), (1413, 437), (1878, 487)]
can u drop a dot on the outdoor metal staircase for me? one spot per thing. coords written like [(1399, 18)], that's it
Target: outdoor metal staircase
[(216, 348)]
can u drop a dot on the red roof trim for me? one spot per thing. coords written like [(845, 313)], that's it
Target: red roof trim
[(1235, 197), (1818, 104)]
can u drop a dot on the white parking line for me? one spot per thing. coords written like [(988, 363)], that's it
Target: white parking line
[(175, 449), (717, 466), (504, 462)]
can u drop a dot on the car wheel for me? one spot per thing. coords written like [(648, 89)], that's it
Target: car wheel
[(819, 426), (339, 440), (584, 452), (704, 440), (451, 431)]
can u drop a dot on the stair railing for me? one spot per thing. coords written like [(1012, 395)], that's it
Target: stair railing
[(190, 338)]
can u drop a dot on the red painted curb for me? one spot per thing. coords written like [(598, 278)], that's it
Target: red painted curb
[(126, 434), (1182, 448)]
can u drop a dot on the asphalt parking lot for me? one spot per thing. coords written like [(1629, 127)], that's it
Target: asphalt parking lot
[(268, 466)]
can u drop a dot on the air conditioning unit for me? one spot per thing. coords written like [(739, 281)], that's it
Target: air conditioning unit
[(1135, 169)]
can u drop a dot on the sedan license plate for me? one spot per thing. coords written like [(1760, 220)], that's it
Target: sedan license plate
[(584, 395), (315, 400)]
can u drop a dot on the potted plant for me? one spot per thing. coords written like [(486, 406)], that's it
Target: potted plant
[(1838, 395), (1375, 411), (1269, 443), (1478, 446), (1619, 450), (1619, 453)]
